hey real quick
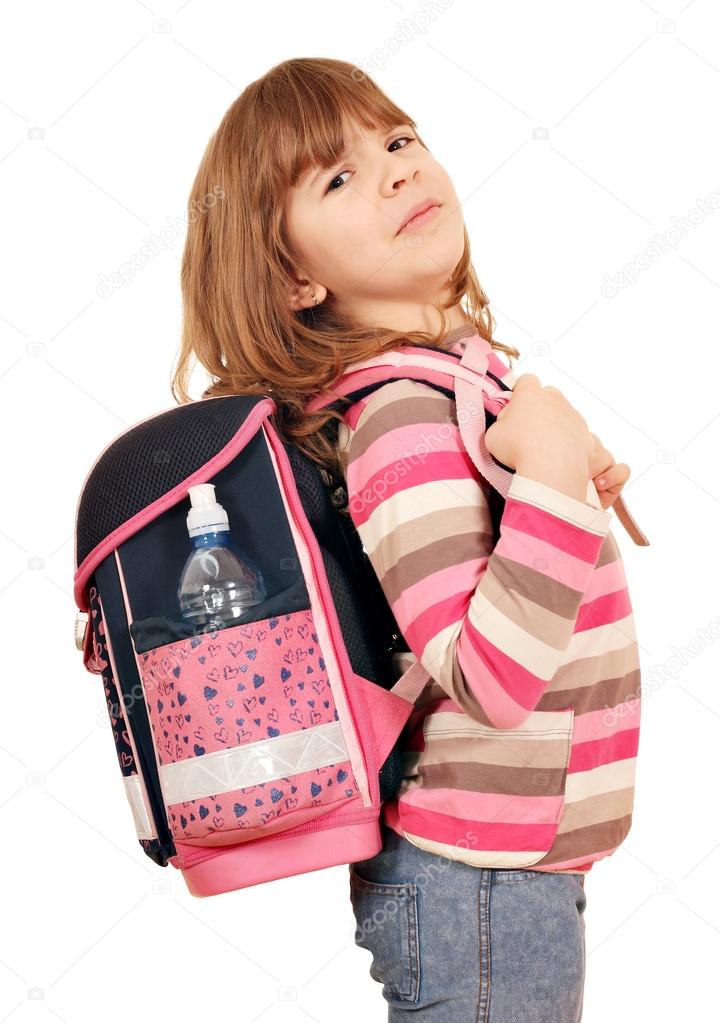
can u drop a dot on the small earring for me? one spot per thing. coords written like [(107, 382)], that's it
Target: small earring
[(316, 300)]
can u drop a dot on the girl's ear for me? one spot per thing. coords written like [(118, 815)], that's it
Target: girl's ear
[(305, 295)]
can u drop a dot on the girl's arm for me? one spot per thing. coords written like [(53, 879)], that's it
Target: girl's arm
[(491, 625)]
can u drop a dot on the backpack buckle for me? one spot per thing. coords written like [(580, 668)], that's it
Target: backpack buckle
[(81, 626)]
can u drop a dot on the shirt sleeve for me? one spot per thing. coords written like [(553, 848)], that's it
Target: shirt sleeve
[(489, 623)]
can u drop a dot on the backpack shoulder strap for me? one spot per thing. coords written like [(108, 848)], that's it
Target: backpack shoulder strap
[(464, 377), (458, 376)]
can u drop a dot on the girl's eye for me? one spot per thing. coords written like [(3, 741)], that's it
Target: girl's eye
[(408, 138), (336, 178)]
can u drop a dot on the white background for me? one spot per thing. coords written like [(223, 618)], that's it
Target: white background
[(577, 135)]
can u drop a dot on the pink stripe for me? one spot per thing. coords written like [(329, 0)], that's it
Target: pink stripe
[(496, 365), (544, 525), (497, 702), (413, 740), (444, 597), (356, 410), (416, 443), (391, 819), (355, 380), (606, 579), (387, 482), (605, 609), (519, 684), (390, 815), (559, 564), (599, 724), (440, 827), (497, 807), (500, 707), (621, 746), (442, 706)]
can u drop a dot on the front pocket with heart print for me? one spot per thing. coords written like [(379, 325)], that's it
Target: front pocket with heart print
[(246, 730)]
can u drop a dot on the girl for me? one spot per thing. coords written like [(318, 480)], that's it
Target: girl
[(327, 233)]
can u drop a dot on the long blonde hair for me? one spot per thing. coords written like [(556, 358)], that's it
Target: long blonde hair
[(238, 264)]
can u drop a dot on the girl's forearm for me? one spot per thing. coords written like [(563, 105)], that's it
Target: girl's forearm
[(564, 469)]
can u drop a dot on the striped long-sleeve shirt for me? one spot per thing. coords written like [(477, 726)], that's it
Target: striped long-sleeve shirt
[(521, 751)]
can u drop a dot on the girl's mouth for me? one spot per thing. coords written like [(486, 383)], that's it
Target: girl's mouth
[(419, 220)]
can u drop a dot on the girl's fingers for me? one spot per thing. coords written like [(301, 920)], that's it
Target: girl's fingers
[(614, 478)]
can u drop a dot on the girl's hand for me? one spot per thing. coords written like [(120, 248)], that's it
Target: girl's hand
[(537, 419), (608, 475)]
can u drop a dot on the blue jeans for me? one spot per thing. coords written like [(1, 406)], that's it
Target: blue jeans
[(453, 943)]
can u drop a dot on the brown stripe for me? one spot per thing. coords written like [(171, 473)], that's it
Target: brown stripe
[(609, 550), (598, 695), (597, 809), (411, 539), (541, 608), (466, 700), (499, 778), (586, 841), (498, 750), (558, 598), (597, 667), (417, 565), (412, 404)]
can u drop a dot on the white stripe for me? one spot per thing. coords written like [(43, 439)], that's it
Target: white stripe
[(141, 814), (600, 640), (599, 780), (400, 359), (540, 725), (534, 655), (412, 503), (591, 518), (228, 769)]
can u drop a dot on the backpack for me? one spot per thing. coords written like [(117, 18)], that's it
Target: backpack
[(265, 748)]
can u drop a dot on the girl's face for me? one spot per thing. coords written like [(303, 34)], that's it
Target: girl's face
[(344, 224)]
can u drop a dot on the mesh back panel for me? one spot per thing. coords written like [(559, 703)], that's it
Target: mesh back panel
[(150, 459)]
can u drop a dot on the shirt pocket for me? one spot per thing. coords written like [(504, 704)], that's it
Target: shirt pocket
[(387, 925), (494, 796)]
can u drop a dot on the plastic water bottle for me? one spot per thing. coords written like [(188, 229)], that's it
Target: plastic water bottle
[(216, 584)]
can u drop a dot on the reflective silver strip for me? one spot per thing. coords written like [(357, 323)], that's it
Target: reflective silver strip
[(236, 768), (141, 814), (82, 624)]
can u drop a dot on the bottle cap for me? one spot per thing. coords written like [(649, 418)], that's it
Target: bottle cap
[(205, 515)]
